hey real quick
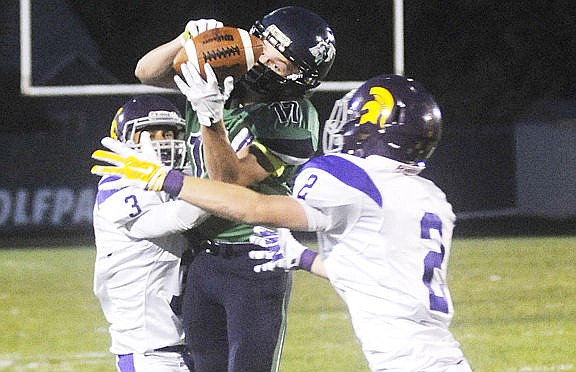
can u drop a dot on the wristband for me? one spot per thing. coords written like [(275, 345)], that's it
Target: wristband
[(307, 258), (173, 182)]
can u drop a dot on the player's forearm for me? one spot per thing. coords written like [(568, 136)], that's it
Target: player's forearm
[(155, 67), (221, 161), (244, 205), (226, 165), (317, 267)]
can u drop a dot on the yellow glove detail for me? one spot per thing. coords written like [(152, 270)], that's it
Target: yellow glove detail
[(147, 174)]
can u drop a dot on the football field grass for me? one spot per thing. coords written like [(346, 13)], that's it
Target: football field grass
[(515, 301)]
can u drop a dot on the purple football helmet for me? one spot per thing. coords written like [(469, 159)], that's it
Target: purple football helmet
[(146, 112), (388, 115)]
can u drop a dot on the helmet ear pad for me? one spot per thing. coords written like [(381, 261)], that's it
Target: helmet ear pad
[(394, 142), (363, 140)]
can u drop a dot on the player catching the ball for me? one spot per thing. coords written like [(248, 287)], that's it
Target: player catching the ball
[(234, 318)]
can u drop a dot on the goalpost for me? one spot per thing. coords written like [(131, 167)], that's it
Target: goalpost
[(27, 87)]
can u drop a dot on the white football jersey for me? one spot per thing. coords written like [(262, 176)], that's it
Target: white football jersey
[(138, 273), (386, 253)]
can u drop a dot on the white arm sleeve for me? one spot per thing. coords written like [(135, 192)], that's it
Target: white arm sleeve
[(317, 221), (167, 218)]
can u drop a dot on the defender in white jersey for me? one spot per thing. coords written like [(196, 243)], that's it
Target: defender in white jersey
[(138, 269), (385, 251), (384, 232)]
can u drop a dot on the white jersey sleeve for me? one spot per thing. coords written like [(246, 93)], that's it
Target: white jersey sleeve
[(172, 217), (147, 215), (386, 253)]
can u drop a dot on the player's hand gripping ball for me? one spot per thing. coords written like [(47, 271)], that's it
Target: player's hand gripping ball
[(230, 51)]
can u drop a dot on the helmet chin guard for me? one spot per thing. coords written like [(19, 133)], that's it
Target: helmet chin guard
[(269, 84)]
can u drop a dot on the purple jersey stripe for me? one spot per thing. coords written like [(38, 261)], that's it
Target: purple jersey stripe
[(126, 363), (102, 195), (347, 172)]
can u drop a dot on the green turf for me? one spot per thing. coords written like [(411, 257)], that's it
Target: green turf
[(515, 303)]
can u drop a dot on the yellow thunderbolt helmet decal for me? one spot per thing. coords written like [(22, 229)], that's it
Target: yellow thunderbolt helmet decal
[(114, 126), (379, 109)]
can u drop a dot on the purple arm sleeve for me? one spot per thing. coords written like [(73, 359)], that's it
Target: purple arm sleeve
[(173, 182), (307, 258)]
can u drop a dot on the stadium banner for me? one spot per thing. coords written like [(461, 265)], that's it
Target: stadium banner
[(55, 208), (60, 208)]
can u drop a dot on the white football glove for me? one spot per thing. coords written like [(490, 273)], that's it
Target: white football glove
[(194, 27), (284, 252), (206, 97), (147, 149)]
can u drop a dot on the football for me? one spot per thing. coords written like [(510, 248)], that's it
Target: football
[(230, 51)]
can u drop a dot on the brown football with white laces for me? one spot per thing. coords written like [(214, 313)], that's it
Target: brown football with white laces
[(230, 51)]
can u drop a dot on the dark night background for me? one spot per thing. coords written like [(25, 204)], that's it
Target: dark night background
[(490, 64), (492, 58)]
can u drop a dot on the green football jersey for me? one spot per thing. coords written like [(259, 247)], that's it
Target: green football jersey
[(286, 129)]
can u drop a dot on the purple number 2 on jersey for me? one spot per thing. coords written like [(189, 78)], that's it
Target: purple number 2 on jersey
[(433, 260)]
